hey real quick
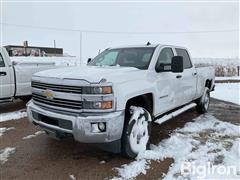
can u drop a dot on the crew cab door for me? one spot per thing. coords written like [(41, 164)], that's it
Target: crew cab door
[(165, 82), (187, 79), (6, 90)]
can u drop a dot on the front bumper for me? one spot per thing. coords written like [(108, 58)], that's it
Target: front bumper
[(80, 125)]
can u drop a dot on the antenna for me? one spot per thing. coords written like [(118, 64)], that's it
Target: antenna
[(148, 43)]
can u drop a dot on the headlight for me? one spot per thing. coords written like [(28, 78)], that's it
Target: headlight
[(97, 105), (97, 90)]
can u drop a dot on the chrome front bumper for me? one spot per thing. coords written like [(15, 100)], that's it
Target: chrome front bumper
[(81, 125)]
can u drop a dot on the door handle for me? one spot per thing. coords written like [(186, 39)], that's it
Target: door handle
[(3, 73), (178, 76)]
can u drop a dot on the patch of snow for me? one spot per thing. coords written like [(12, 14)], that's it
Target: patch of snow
[(205, 140), (33, 135), (5, 153), (228, 78), (232, 156), (102, 162), (4, 129), (227, 92), (128, 171), (72, 177), (12, 115)]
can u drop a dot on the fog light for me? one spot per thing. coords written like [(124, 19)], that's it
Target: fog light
[(98, 127), (102, 126)]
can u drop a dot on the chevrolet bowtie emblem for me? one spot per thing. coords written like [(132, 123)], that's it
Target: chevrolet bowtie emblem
[(48, 93)]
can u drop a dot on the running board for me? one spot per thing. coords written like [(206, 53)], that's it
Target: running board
[(6, 100), (175, 113)]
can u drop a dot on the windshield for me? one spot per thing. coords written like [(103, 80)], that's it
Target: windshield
[(125, 57)]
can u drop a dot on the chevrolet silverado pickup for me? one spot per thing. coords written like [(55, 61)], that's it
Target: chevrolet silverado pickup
[(116, 97), (16, 74)]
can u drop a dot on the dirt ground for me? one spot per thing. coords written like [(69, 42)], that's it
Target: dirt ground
[(44, 158)]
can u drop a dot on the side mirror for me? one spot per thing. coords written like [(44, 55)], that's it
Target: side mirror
[(177, 64), (89, 60)]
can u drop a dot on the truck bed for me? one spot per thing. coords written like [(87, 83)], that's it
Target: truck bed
[(25, 67), (58, 61), (204, 74)]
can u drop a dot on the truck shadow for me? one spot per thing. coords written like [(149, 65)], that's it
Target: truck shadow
[(12, 106)]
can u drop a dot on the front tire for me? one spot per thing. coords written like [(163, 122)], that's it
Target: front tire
[(136, 133), (203, 102)]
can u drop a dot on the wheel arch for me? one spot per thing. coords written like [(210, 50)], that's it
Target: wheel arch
[(143, 100)]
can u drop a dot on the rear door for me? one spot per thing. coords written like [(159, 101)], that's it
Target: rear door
[(188, 78), (5, 79)]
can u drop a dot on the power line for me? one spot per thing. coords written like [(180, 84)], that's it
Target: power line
[(121, 1), (119, 32)]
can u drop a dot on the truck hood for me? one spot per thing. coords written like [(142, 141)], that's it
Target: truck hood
[(93, 74)]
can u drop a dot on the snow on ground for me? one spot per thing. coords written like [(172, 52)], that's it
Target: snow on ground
[(4, 129), (5, 153), (33, 135), (204, 144), (228, 78), (102, 162), (227, 92), (72, 177), (12, 115)]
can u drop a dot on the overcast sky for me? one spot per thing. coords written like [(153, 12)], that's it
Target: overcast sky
[(125, 17)]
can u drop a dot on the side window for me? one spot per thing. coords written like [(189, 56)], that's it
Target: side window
[(1, 61), (186, 59), (165, 57)]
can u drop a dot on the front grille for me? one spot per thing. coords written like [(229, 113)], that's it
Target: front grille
[(59, 88), (63, 103)]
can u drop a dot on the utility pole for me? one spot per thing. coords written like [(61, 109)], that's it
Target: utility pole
[(80, 39), (25, 45), (54, 45)]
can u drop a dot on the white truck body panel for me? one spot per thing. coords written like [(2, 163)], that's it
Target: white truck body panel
[(24, 72), (17, 72)]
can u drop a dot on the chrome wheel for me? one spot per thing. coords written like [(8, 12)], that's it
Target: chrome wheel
[(206, 101), (203, 102), (139, 134)]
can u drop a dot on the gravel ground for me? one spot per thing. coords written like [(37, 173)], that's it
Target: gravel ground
[(41, 157)]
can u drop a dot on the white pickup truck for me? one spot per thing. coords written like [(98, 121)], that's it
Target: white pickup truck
[(114, 99), (16, 74)]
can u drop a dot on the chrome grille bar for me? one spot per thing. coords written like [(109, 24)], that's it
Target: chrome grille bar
[(59, 88), (58, 102)]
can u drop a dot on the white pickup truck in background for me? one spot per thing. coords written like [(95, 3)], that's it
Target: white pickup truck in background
[(113, 100), (16, 74)]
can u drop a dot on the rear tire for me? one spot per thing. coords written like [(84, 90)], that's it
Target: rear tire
[(136, 133), (203, 102)]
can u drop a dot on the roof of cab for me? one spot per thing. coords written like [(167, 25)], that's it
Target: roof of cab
[(146, 45), (135, 46)]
